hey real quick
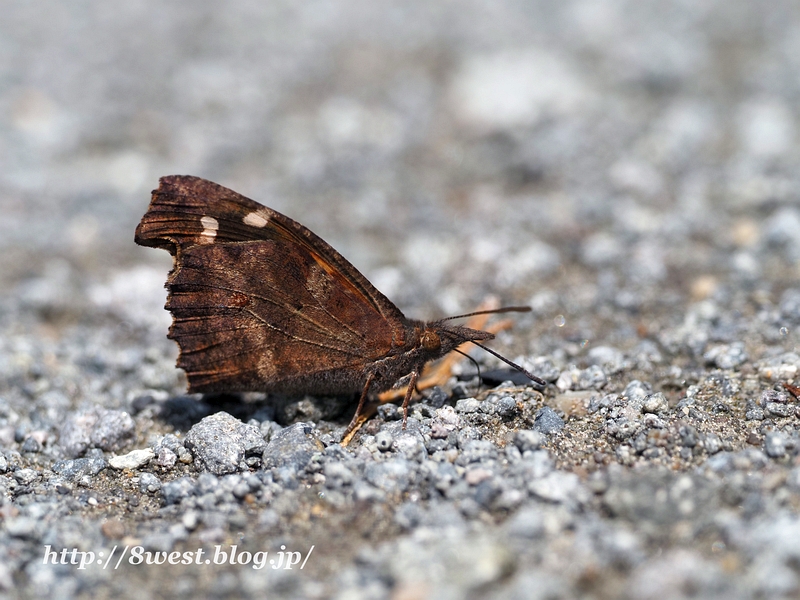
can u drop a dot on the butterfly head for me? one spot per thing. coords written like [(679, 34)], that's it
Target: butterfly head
[(438, 338)]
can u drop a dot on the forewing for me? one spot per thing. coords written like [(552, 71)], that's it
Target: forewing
[(258, 301)]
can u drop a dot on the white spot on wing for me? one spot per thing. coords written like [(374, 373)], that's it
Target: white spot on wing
[(256, 219), (210, 227)]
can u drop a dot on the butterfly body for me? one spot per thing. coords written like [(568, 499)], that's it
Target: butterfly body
[(260, 303)]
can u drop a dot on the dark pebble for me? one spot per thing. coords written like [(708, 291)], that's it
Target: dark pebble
[(292, 446), (547, 421)]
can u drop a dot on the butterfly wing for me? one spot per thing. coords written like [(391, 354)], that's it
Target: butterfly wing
[(258, 301)]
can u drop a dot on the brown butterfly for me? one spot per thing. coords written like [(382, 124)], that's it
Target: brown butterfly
[(260, 303)]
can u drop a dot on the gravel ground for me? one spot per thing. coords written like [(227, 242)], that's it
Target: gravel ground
[(629, 169)]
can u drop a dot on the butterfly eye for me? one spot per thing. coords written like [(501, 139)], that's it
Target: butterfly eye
[(430, 341)]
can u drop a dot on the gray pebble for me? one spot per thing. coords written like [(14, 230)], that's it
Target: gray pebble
[(556, 487), (712, 443), (268, 519), (169, 440), (74, 436), (410, 444), (390, 412), (241, 490), (547, 421), (444, 422), (220, 443), (184, 455), (689, 437), (159, 541), (655, 403), (190, 520), (166, 457), (528, 439), (528, 523), (114, 430), (636, 391), (268, 429), (754, 414), (26, 476), (567, 379), (505, 407), (543, 367), (610, 359), (408, 515), (30, 445), (337, 475), (465, 435), (436, 397), (364, 492), (778, 409), (772, 397), (21, 527), (207, 482), (477, 451), (775, 444), (384, 441), (254, 482), (391, 476), (178, 489), (76, 468), (149, 483), (590, 379), (443, 474), (487, 491), (109, 430), (726, 356), (468, 405), (292, 446)]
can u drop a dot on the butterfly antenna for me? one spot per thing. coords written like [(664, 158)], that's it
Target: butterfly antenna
[(491, 311), (530, 376)]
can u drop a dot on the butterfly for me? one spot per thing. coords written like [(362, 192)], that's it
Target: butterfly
[(260, 303)]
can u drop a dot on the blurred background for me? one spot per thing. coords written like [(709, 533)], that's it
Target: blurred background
[(448, 149), (629, 168)]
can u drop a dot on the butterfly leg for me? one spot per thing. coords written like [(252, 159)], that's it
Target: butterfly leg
[(356, 421), (412, 385)]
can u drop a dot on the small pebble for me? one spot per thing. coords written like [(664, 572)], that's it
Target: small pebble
[(384, 441), (528, 439), (178, 489), (292, 446), (26, 476), (149, 483), (132, 460), (468, 405), (220, 443), (775, 444), (655, 403), (547, 421)]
